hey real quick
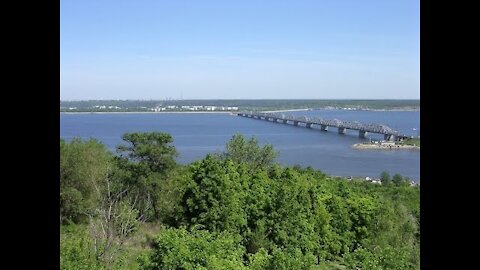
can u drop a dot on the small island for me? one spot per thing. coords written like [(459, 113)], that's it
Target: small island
[(410, 144)]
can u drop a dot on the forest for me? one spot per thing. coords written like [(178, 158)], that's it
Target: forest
[(138, 208)]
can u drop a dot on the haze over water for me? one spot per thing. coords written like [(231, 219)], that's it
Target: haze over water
[(195, 135)]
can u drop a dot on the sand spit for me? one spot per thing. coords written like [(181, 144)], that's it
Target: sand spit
[(385, 147)]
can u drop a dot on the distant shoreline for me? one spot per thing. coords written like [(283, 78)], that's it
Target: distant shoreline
[(144, 112), (264, 111), (270, 111), (385, 147), (373, 110), (289, 110)]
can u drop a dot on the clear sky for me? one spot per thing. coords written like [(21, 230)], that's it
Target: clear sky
[(243, 49)]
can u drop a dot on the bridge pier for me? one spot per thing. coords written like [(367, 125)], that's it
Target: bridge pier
[(362, 134), (341, 130), (295, 123), (323, 127), (309, 125), (389, 137)]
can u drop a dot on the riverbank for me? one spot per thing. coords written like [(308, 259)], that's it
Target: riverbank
[(207, 112), (289, 110), (385, 147), (270, 111), (340, 109)]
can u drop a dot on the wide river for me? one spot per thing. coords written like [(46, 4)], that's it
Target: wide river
[(196, 134)]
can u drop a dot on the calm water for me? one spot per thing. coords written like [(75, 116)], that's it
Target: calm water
[(195, 135)]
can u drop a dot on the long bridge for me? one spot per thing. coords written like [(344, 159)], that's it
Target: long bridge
[(342, 126)]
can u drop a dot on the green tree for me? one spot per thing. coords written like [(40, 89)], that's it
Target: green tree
[(83, 167), (290, 258), (76, 250), (385, 178), (195, 249), (151, 149), (215, 196), (298, 217), (397, 179), (145, 163), (112, 223), (258, 205), (240, 150)]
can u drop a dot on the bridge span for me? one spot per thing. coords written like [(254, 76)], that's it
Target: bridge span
[(324, 124)]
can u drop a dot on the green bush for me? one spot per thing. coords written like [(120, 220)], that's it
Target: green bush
[(76, 250), (194, 249)]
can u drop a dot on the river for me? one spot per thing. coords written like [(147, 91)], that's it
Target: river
[(196, 134)]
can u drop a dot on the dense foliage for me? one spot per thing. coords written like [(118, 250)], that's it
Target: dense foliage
[(237, 210)]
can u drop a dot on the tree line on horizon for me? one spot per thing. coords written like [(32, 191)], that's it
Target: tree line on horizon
[(238, 209), (243, 104)]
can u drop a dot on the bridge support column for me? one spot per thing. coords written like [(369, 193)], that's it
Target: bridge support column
[(389, 137), (323, 127), (295, 123), (341, 130), (309, 125), (362, 134)]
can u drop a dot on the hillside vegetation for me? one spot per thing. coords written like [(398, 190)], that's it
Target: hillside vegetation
[(139, 209)]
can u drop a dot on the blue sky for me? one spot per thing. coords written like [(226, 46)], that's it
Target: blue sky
[(245, 49)]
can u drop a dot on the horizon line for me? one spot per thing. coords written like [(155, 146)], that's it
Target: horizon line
[(367, 99)]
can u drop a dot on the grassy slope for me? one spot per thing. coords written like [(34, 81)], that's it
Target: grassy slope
[(414, 141)]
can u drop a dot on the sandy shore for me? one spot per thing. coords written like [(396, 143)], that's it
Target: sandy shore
[(385, 147)]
